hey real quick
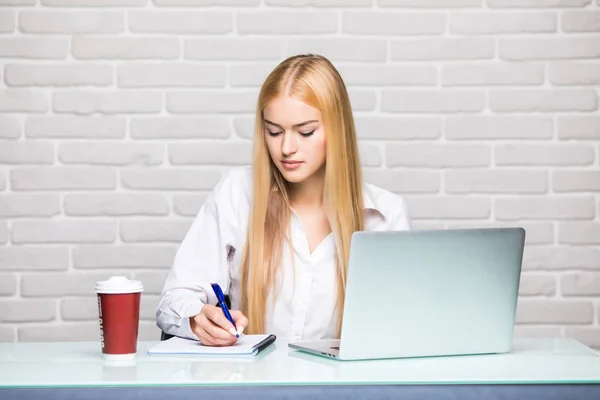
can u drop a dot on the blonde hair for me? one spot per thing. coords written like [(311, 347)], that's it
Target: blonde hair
[(315, 81)]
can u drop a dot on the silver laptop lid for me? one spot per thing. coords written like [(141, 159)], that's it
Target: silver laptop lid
[(428, 293)]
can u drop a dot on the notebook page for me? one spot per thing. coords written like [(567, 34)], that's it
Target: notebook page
[(177, 345)]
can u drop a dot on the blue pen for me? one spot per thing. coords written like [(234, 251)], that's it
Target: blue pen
[(221, 299)]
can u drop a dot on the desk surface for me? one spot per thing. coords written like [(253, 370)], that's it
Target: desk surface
[(80, 364)]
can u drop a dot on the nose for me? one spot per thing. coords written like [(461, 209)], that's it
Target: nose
[(288, 144)]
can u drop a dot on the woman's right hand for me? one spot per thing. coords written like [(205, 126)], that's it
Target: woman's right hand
[(214, 329)]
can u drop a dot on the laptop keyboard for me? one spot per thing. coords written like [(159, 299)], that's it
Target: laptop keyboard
[(334, 347)]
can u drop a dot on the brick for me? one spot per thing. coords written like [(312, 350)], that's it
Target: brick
[(319, 3), (60, 284), (63, 232), (153, 281), (391, 23), (573, 73), (153, 231), (413, 181), (234, 49), (125, 256), (437, 155), (57, 75), (65, 332), (501, 23), (148, 306), (213, 153), (2, 182), (536, 208), (94, 3), (63, 178), (554, 258), (34, 258), (498, 127), (546, 100), (14, 100), (116, 205), (73, 127), (29, 205), (8, 285), (429, 49), (554, 312), (212, 102), (535, 232), (176, 75), (72, 22), (579, 232), (17, 2), (388, 75), (581, 21), (7, 334), (86, 102), (125, 48), (340, 49), (3, 232), (492, 75), (249, 75), (370, 155), (448, 207), (79, 309), (537, 285), (576, 181), (580, 284), (180, 128), (544, 154), (396, 128), (547, 48), (10, 128), (432, 101), (430, 3), (587, 336), (180, 22), (536, 3), (170, 179), (34, 47), (196, 3), (188, 205), (579, 127), (286, 22), (544, 332), (111, 153), (362, 100), (19, 152), (244, 127), (7, 21), (27, 310), (495, 181)]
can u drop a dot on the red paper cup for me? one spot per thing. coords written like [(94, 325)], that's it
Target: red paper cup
[(119, 316)]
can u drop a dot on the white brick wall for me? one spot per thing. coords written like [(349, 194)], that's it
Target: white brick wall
[(117, 117)]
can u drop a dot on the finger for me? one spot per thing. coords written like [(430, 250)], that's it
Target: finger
[(216, 331), (216, 315), (241, 322), (208, 340)]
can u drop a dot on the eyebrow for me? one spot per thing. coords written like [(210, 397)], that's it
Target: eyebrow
[(293, 126)]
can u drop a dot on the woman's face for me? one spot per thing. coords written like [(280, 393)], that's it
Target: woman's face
[(295, 138)]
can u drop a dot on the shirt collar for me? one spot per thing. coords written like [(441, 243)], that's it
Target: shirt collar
[(370, 202)]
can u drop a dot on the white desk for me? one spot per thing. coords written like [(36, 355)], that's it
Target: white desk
[(536, 367)]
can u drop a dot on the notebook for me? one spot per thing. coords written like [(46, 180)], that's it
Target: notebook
[(247, 345)]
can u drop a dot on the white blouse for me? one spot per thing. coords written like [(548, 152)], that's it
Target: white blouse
[(211, 252)]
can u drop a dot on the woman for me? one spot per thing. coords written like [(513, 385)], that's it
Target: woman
[(276, 236)]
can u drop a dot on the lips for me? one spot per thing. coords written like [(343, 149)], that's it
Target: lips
[(287, 162)]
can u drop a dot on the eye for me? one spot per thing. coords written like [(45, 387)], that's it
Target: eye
[(273, 133), (307, 134)]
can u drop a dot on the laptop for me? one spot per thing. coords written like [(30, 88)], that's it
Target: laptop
[(428, 293)]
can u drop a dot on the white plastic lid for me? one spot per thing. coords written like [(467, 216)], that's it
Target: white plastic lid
[(119, 284)]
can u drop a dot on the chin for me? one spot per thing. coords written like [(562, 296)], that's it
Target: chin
[(293, 176)]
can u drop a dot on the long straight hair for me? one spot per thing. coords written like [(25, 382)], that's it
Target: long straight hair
[(315, 81)]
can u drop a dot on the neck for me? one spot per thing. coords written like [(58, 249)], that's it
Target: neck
[(309, 193)]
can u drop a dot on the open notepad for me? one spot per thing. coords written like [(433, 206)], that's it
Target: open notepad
[(247, 345)]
